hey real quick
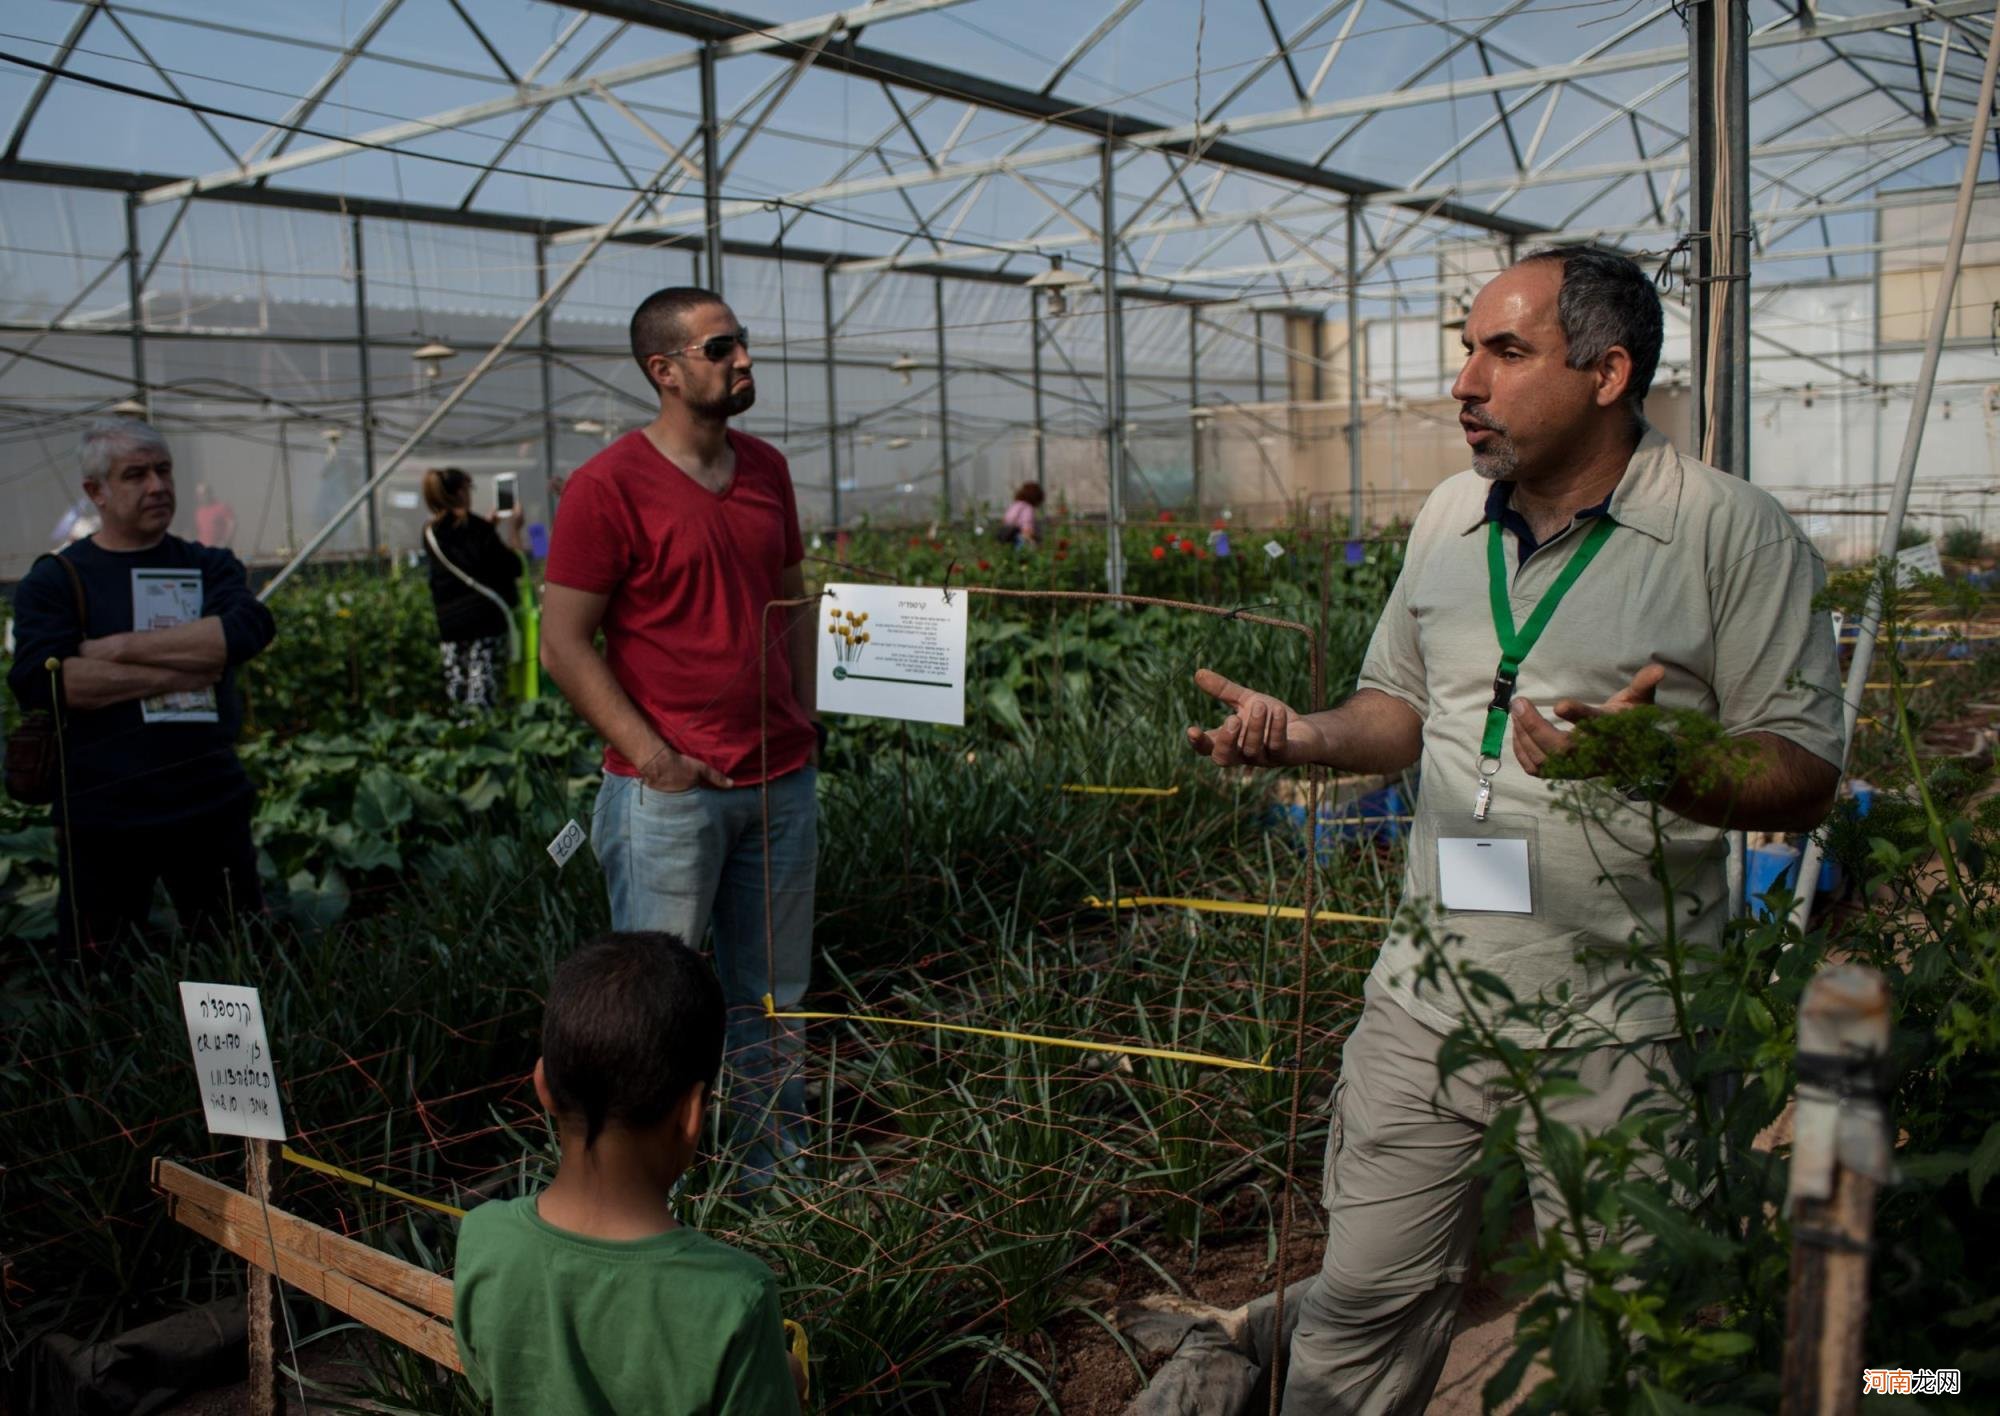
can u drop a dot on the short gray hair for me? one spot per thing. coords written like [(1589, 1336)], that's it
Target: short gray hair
[(1607, 299), (105, 438)]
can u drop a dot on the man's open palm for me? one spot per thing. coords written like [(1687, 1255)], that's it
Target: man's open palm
[(1259, 730), (1536, 739)]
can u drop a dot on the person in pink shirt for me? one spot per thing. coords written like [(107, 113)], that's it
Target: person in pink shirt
[(214, 518), (1018, 522)]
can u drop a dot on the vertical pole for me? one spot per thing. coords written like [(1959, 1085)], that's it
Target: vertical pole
[(548, 375), (285, 463), (1114, 383), (1257, 341), (135, 295), (1353, 374), (367, 385), (266, 1396), (1035, 386), (832, 392), (1719, 197), (711, 174), (944, 401), (1841, 1157), (1194, 401)]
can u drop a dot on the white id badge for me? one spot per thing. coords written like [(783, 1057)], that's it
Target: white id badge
[(1486, 867)]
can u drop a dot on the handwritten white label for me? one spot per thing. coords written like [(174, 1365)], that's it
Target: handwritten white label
[(566, 844), (1913, 561), (232, 1060)]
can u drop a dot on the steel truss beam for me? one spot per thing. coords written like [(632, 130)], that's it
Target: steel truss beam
[(744, 39)]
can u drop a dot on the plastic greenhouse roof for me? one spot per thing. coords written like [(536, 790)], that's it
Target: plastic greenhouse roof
[(966, 135)]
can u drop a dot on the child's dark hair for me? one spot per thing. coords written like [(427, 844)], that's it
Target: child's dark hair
[(634, 1019)]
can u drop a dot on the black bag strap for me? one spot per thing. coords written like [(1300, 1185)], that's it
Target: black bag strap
[(76, 588)]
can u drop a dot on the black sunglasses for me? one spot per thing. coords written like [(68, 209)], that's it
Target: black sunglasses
[(717, 347)]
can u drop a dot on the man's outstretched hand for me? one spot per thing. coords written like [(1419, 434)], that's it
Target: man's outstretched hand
[(1259, 730), (1536, 739)]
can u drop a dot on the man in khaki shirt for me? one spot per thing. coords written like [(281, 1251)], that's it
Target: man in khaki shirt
[(1667, 582)]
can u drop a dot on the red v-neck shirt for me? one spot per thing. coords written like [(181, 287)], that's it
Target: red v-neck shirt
[(689, 572)]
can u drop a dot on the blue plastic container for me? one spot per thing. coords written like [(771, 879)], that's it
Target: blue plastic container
[(1378, 816), (1770, 868)]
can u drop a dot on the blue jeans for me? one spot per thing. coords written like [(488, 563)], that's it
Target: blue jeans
[(683, 861)]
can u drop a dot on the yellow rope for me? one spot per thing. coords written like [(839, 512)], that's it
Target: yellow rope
[(365, 1183), (1122, 791), (795, 1339), (1236, 907), (1123, 1049)]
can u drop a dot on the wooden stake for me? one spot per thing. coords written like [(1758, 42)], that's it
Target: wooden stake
[(1839, 1158), (267, 1397)]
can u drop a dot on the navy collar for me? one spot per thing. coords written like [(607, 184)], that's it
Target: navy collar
[(1500, 508)]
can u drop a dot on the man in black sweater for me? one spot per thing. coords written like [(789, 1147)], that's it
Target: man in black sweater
[(151, 789)]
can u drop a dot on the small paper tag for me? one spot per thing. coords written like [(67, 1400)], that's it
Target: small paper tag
[(1913, 561), (566, 843), (232, 1060), (1273, 549)]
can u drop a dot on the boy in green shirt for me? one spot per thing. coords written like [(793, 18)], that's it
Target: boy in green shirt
[(590, 1298)]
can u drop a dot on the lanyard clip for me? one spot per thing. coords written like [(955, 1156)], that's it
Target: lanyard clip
[(1503, 692)]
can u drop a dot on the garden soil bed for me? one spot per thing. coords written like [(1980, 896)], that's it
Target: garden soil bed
[(1094, 1374)]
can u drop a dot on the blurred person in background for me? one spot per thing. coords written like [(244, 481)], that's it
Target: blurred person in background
[(1019, 526), (214, 518), (474, 577), (147, 630)]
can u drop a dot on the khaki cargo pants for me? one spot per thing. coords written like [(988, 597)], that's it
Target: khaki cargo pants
[(1402, 1212)]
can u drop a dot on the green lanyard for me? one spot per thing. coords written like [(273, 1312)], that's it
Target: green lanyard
[(1515, 646)]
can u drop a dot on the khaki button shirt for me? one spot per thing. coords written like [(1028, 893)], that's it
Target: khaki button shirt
[(1705, 574)]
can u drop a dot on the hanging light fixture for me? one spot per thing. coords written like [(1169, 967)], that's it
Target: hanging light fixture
[(896, 443), (129, 408), (1058, 282), (588, 427), (905, 366), (430, 357)]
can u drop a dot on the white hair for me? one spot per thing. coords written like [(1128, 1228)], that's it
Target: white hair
[(106, 438)]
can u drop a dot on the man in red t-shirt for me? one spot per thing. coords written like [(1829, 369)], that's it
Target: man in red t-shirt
[(673, 541)]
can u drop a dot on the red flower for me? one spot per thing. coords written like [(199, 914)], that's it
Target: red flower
[(1187, 548), (937, 545), (1063, 544), (916, 541), (1201, 553), (1166, 516), (985, 566), (1062, 555), (1159, 553)]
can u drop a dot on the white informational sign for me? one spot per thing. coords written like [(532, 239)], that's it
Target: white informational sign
[(892, 651), (232, 1060), (1476, 873), (1273, 549), (566, 844), (162, 599), (1917, 560)]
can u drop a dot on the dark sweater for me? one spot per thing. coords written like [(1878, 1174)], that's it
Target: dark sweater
[(474, 547), (123, 771)]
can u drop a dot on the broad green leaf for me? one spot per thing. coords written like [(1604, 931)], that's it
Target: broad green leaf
[(1581, 1355)]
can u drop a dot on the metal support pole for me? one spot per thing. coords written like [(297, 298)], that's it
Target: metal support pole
[(711, 174), (1719, 197), (1035, 386), (1353, 373), (944, 402), (832, 391), (135, 294), (1913, 439), (1257, 342), (367, 389), (1194, 401), (1114, 383), (548, 373)]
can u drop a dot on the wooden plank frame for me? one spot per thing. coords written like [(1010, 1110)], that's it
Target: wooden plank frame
[(397, 1299)]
